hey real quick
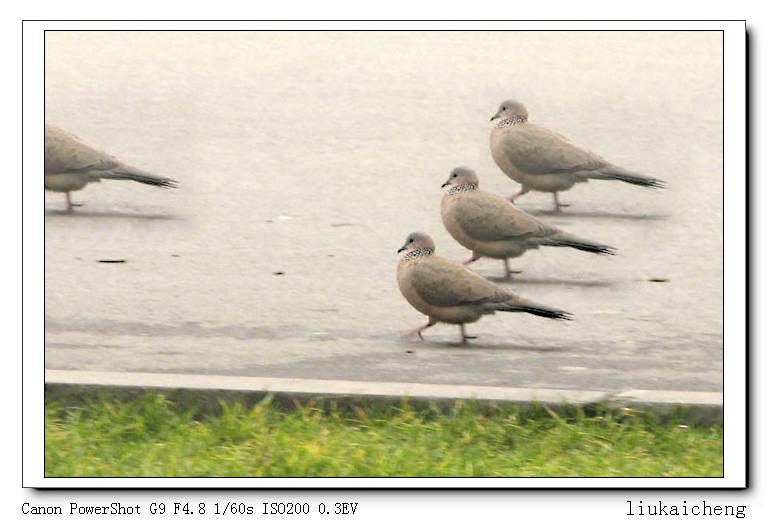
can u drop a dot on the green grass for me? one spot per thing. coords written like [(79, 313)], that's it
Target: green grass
[(101, 435)]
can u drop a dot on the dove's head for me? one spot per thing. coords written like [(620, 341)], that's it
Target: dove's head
[(511, 108), (461, 176), (418, 240)]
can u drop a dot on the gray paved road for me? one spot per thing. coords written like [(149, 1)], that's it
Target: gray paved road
[(304, 160)]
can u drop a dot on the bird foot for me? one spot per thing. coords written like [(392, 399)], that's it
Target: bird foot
[(413, 333), (509, 271), (465, 337)]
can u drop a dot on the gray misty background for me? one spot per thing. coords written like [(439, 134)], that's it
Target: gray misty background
[(313, 154)]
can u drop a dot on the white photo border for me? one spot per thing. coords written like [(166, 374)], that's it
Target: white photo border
[(734, 261)]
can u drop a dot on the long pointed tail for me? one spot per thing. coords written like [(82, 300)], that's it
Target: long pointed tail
[(617, 173), (563, 239), (129, 173), (524, 305)]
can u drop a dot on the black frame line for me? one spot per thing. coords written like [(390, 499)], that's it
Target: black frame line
[(391, 20)]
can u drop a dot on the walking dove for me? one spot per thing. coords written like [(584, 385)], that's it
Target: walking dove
[(447, 292), (70, 165), (490, 226), (542, 160)]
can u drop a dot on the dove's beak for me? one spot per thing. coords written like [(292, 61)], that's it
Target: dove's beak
[(402, 248)]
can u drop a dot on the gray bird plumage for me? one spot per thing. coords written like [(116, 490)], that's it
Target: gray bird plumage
[(70, 165), (447, 292), (542, 160), (490, 226)]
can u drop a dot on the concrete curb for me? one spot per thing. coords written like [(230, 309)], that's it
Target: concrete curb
[(701, 407)]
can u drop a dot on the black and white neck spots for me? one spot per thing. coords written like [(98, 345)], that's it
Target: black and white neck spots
[(416, 253), (510, 121), (464, 187)]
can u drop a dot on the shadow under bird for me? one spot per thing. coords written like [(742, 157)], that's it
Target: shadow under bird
[(542, 160), (490, 226), (70, 165), (447, 292)]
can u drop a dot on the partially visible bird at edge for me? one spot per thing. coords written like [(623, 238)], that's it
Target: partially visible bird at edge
[(70, 165)]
